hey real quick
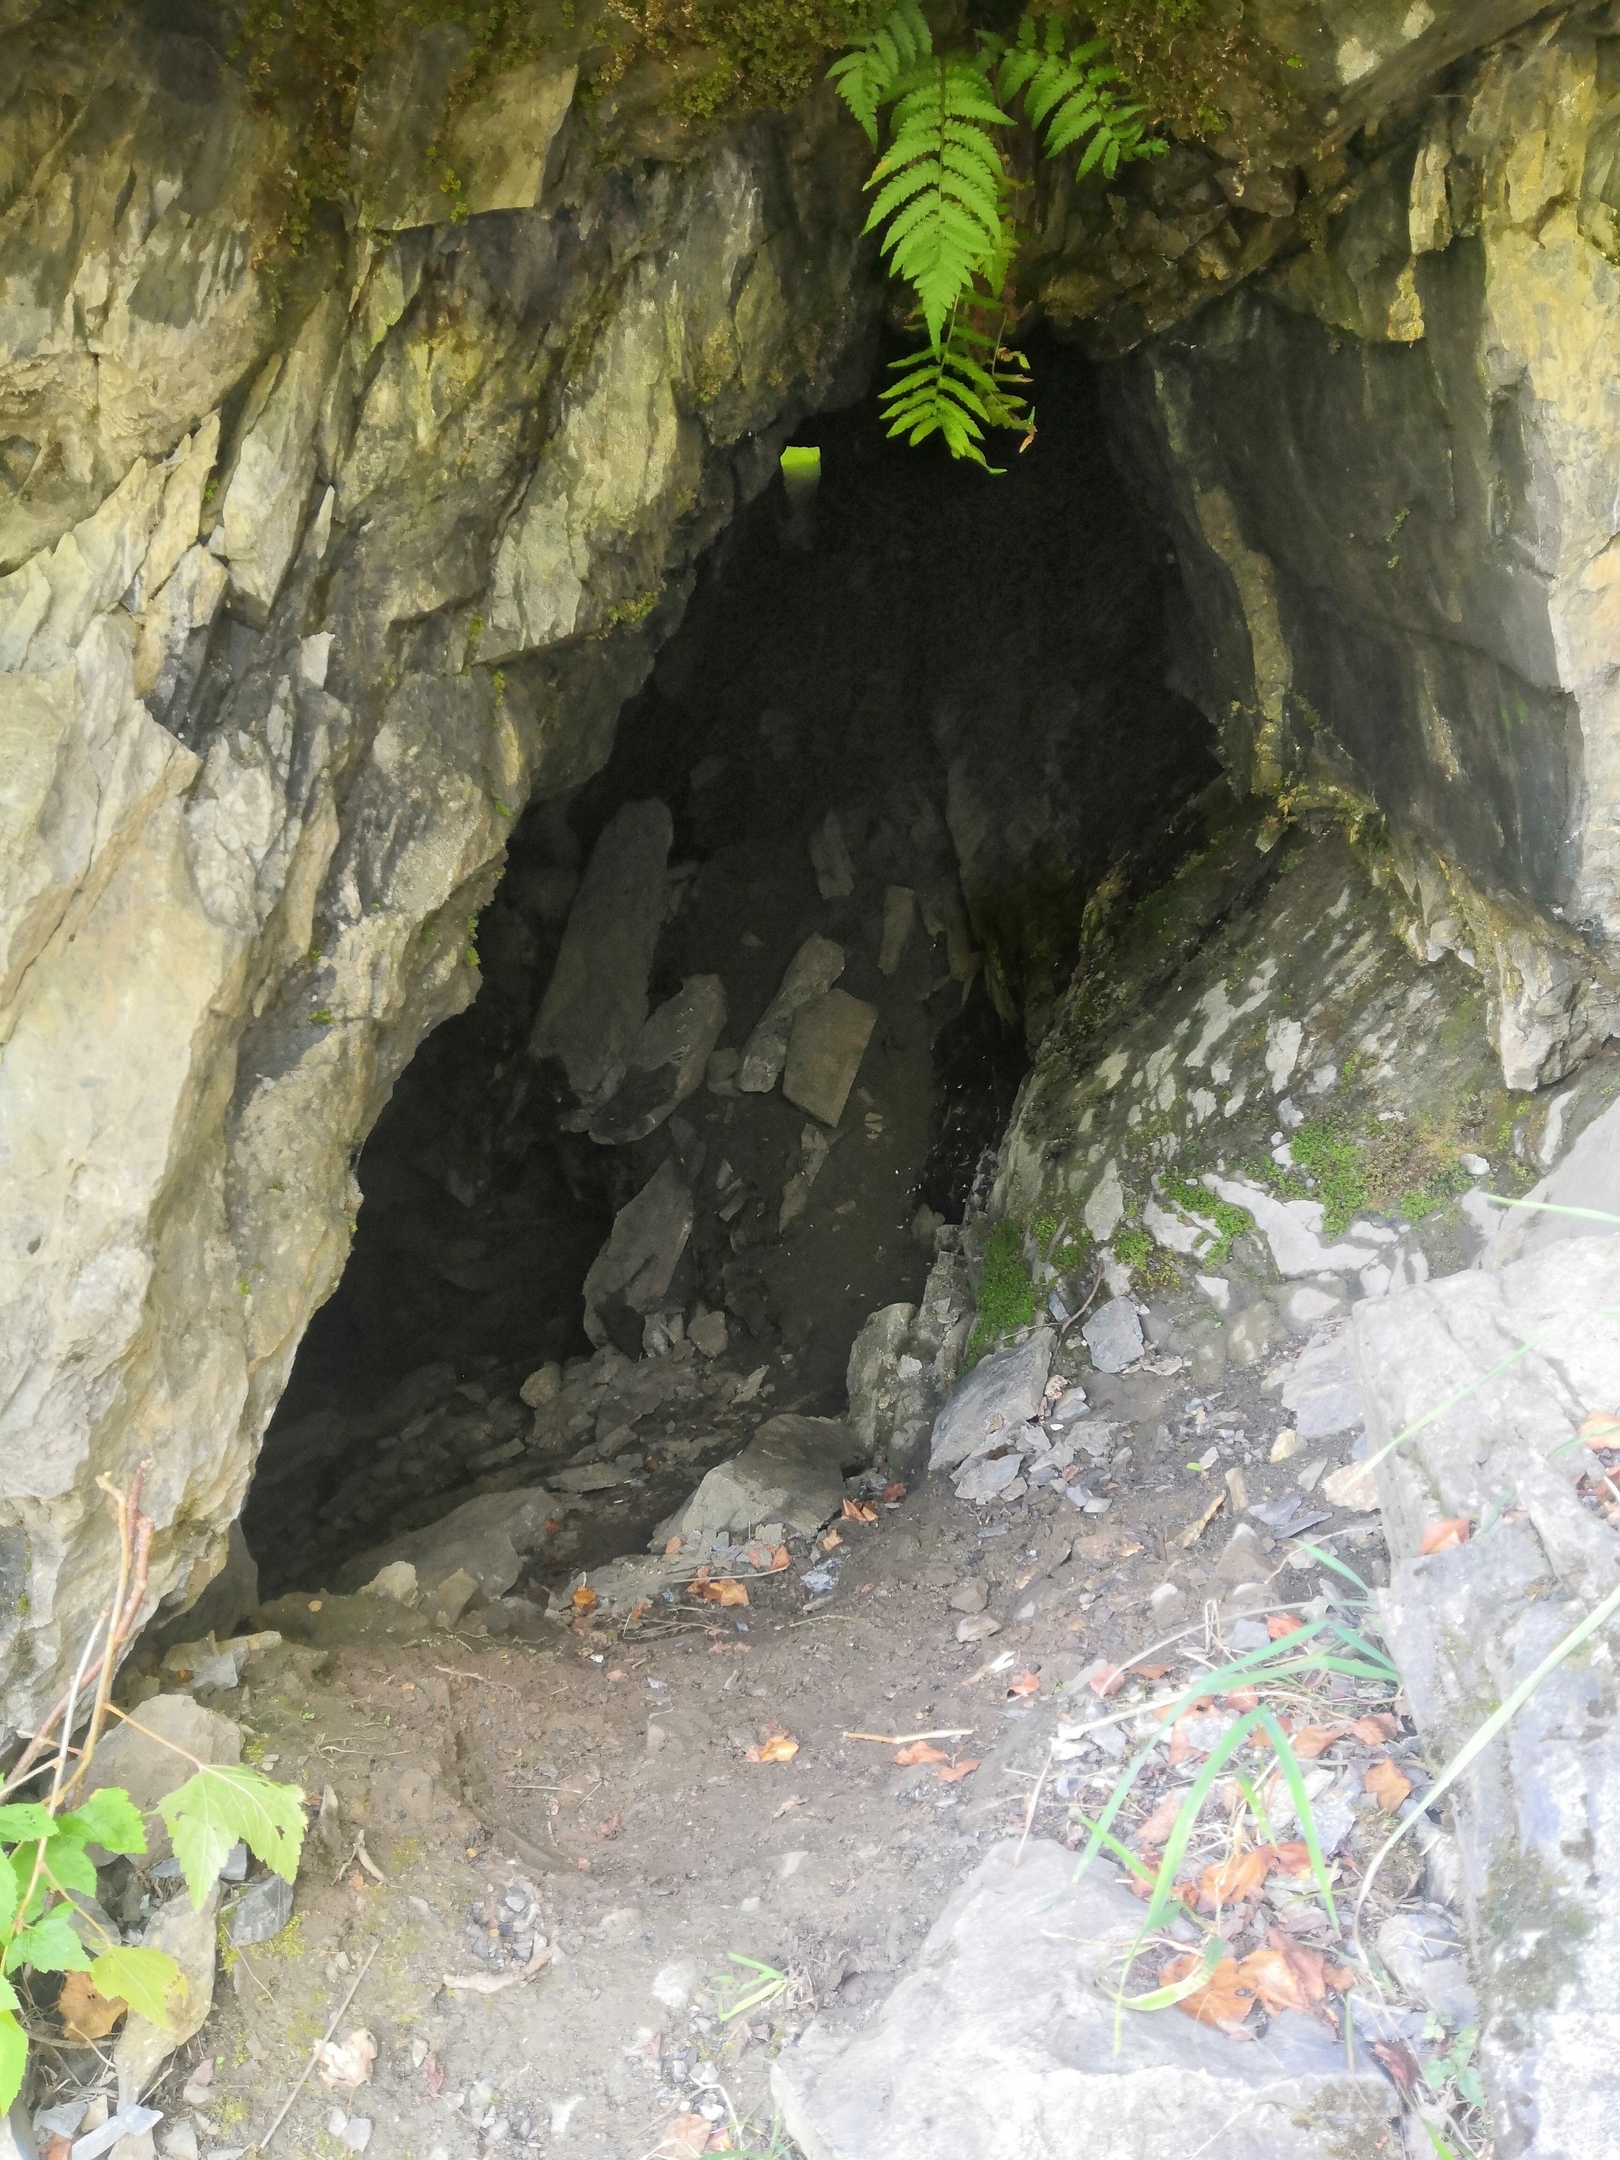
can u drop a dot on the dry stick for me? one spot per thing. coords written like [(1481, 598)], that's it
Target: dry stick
[(484, 1677), (337, 2016), (904, 1739), (1034, 1803)]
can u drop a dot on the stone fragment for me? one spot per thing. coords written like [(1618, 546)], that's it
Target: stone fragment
[(829, 1039), (543, 1387), (634, 1267), (708, 1334), (1353, 1486), (1004, 2038), (1322, 1392), (1002, 1390), (829, 856), (1422, 1951), (188, 1937), (445, 1605), (666, 1063), (1304, 1307), (969, 1597), (814, 1148), (1243, 1558), (977, 1627), (596, 1001), (591, 1477), (899, 919), (792, 1471), (720, 1074), (997, 1474), (1293, 1229), (396, 1581), (1113, 1335), (261, 1912), (812, 971), (489, 1537)]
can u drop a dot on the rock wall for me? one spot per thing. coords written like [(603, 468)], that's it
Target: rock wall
[(315, 568), (1390, 467)]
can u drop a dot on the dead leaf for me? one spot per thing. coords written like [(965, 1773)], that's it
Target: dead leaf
[(85, 2012), (1376, 1727), (584, 1599), (1231, 1882), (1242, 1698), (724, 1590), (857, 1511), (638, 1611), (1442, 1535), (792, 1801), (960, 1770), (433, 2075), (672, 1546), (1291, 1858), (780, 1747), (1225, 1999), (1024, 1683), (918, 1752), (780, 1560), (345, 2065), (1386, 1784), (1150, 1672), (1158, 1826), (609, 1828), (1600, 1429), (891, 1494), (831, 1540), (1276, 1982), (1398, 2059), (57, 2147), (1108, 1681), (1279, 1624), (687, 2138), (617, 1673), (1313, 1740)]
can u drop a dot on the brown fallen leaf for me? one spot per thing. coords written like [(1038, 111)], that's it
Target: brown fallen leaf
[(638, 1611), (780, 1560), (1108, 1681), (1279, 1624), (723, 1590), (831, 1540), (1158, 1826), (1242, 1698), (433, 2076), (1276, 1982), (584, 1599), (1313, 1740), (56, 2147), (672, 1546), (1386, 1784), (345, 2064), (1600, 1429), (918, 1752), (959, 1770), (1024, 1683), (687, 2138), (891, 1494), (1225, 1999), (1402, 2065), (1181, 1745), (1293, 1857), (1231, 1882), (1442, 1535), (1150, 1672), (1375, 1727), (85, 2012), (780, 1747), (857, 1511)]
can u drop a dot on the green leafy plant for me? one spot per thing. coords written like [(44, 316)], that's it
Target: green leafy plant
[(943, 186), (45, 1839)]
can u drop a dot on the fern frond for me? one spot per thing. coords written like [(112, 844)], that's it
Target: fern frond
[(940, 185), (1066, 94), (870, 76), (961, 384)]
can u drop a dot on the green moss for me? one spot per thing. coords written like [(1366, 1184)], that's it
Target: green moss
[(1133, 1248), (1195, 1199), (1334, 1160), (1006, 1292)]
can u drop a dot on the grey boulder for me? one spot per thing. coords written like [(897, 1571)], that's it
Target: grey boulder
[(1322, 1390), (1114, 1335), (829, 1039), (666, 1063), (644, 1246), (1003, 2040), (596, 1000), (1002, 1390), (814, 968), (791, 1472), (488, 1538)]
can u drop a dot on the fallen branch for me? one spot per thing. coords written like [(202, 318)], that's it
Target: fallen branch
[(904, 1739), (493, 1983)]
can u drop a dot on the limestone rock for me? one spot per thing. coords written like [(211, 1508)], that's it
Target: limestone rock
[(1321, 1390), (1003, 1390), (596, 1002), (489, 1538), (1113, 1335), (1004, 2038), (634, 1267), (829, 1039), (188, 1937), (792, 1472), (666, 1062), (814, 968)]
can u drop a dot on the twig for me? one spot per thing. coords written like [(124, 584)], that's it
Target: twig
[(495, 1983), (451, 1671), (1075, 1318), (337, 2017), (1034, 1803), (904, 1739)]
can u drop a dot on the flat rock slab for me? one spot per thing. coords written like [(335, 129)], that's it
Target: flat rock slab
[(1537, 1816), (596, 1000), (1114, 1335), (489, 1538), (666, 1063), (829, 1039), (1000, 2044), (814, 968), (1322, 1390), (634, 1267), (791, 1472), (1002, 1391)]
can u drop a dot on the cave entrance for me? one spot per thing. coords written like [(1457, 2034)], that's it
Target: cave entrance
[(914, 717)]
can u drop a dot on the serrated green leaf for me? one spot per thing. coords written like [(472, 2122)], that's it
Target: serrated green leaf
[(148, 1980), (50, 1945), (69, 1866), (109, 1818), (26, 1820), (13, 2058), (224, 1803)]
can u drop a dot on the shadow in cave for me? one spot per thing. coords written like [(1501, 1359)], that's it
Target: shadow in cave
[(968, 673)]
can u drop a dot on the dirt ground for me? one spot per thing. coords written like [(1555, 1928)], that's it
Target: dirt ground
[(590, 1800)]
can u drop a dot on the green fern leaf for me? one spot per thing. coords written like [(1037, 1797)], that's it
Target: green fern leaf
[(940, 185), (1066, 95), (870, 76), (963, 383)]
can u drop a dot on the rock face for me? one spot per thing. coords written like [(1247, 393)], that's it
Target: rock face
[(1389, 470), (1522, 1354), (257, 764)]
